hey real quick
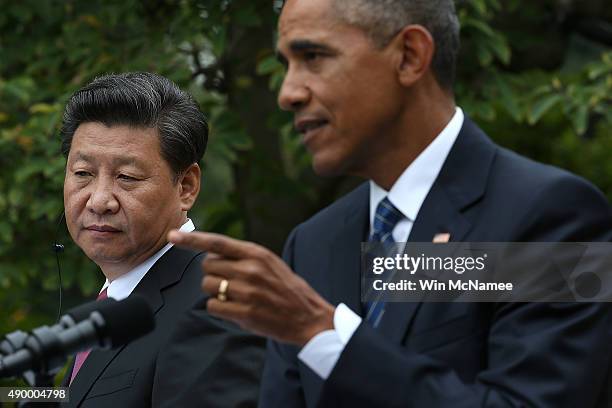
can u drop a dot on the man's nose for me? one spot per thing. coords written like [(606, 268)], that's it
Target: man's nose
[(102, 199), (294, 92)]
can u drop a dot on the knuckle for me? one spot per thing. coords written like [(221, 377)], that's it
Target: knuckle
[(217, 245), (211, 306), (267, 256), (207, 284), (264, 255), (249, 295), (251, 271), (210, 263), (256, 250)]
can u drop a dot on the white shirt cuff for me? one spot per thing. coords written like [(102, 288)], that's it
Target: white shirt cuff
[(322, 352)]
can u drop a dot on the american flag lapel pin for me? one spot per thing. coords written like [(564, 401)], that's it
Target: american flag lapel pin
[(441, 238)]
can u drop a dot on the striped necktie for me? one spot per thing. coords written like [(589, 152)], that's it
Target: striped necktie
[(82, 355), (385, 220)]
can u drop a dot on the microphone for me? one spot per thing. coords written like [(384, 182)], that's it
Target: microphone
[(16, 340), (82, 312), (110, 324)]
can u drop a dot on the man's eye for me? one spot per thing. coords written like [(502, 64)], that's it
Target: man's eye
[(311, 55), (82, 173), (125, 177)]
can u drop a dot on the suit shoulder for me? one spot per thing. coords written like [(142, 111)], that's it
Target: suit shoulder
[(546, 202), (514, 174), (187, 265), (532, 177)]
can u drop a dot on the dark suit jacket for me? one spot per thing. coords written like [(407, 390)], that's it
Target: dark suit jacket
[(460, 354), (190, 359)]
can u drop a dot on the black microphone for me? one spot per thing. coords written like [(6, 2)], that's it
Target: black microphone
[(16, 340), (109, 325), (82, 312)]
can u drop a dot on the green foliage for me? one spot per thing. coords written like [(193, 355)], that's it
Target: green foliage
[(556, 112), (533, 84)]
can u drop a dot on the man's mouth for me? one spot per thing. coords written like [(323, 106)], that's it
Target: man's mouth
[(306, 126), (102, 228)]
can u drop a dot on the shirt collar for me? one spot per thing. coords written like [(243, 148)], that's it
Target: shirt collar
[(123, 286), (411, 188)]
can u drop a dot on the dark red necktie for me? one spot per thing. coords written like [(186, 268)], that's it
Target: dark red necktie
[(82, 356)]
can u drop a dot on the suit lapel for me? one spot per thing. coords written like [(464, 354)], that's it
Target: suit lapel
[(166, 271), (460, 184), (436, 215), (345, 252), (94, 365)]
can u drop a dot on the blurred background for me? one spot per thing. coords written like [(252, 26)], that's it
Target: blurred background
[(536, 76)]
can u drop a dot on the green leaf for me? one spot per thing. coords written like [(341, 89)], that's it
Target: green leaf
[(42, 108), (596, 72), (6, 232), (501, 49), (246, 15), (541, 107), (268, 65), (218, 39), (580, 120), (480, 6), (484, 55), (509, 99), (479, 26)]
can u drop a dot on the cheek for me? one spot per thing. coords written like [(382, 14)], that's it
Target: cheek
[(72, 213), (145, 210), (72, 197), (74, 193), (372, 119)]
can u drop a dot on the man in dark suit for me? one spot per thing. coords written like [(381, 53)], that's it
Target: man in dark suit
[(133, 143), (370, 84)]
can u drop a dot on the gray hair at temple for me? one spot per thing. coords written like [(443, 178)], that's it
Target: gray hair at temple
[(383, 19), (141, 100)]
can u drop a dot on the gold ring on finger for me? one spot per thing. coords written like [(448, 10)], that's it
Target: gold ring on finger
[(222, 293)]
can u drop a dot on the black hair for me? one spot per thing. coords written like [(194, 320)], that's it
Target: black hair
[(141, 99)]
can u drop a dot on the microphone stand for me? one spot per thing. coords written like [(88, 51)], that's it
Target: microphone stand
[(15, 341)]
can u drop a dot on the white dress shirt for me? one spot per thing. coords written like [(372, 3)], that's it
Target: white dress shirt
[(123, 286), (407, 194)]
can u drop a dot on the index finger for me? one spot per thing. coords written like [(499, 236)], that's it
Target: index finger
[(214, 243)]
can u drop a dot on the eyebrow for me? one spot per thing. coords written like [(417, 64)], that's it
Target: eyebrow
[(298, 46), (307, 45), (82, 156), (117, 161)]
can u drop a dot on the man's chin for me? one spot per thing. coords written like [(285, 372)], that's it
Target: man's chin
[(327, 168), (104, 257)]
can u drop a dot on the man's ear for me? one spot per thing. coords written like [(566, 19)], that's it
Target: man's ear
[(417, 49), (189, 186)]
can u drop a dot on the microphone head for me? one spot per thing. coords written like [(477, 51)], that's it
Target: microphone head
[(82, 312), (126, 320)]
